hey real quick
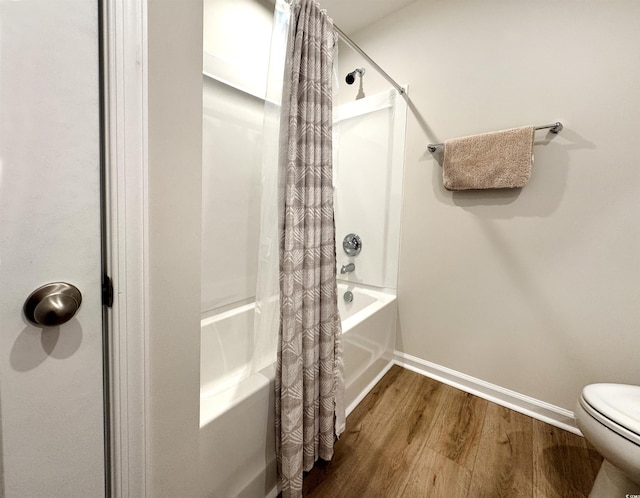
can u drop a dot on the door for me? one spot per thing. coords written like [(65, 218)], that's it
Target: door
[(51, 396)]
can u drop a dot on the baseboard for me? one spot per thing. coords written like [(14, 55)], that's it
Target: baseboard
[(540, 410)]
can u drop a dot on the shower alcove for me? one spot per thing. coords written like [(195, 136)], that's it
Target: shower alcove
[(237, 455)]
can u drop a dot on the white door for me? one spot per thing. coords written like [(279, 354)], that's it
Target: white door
[(51, 396)]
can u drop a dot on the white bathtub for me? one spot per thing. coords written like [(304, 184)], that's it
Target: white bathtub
[(237, 455)]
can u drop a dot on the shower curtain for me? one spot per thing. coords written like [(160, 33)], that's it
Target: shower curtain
[(309, 374)]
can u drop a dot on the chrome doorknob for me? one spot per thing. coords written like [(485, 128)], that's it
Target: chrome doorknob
[(52, 304)]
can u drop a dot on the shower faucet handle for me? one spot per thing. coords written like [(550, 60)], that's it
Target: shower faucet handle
[(352, 244)]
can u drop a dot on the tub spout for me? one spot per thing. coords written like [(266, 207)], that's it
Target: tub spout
[(347, 268)]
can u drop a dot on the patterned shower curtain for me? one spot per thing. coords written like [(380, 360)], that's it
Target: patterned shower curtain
[(309, 377)]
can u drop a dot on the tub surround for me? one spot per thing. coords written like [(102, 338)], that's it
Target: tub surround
[(237, 440), (237, 445), (368, 324)]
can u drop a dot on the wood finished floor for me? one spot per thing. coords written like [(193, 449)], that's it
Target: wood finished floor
[(413, 436)]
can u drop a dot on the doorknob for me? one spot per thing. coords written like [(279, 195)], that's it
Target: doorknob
[(52, 304)]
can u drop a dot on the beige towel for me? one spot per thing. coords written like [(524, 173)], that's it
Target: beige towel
[(501, 159)]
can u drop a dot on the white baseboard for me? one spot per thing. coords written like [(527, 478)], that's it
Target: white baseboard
[(540, 410)]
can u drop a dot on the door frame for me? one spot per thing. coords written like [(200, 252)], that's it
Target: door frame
[(126, 95), (153, 83)]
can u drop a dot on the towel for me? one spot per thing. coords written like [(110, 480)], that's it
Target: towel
[(500, 159)]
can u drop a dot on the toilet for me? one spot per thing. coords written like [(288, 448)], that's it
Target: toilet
[(609, 417)]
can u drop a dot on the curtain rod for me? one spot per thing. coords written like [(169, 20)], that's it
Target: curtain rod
[(355, 46)]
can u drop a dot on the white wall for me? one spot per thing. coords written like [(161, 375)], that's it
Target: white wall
[(237, 36), (174, 187), (231, 160), (534, 290), (369, 137)]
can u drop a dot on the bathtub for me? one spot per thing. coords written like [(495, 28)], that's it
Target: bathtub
[(237, 455)]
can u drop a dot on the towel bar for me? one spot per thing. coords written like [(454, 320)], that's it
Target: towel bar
[(553, 128)]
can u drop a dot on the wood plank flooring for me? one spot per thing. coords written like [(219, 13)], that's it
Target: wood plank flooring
[(415, 437)]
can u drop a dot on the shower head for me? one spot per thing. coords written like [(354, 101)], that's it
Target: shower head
[(351, 77)]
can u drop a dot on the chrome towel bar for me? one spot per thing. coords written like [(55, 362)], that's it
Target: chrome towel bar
[(553, 128)]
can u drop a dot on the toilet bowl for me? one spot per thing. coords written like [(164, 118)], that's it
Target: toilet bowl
[(609, 417)]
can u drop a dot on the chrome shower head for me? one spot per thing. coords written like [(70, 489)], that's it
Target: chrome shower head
[(351, 77)]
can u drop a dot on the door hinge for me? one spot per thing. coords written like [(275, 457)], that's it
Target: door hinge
[(107, 291)]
